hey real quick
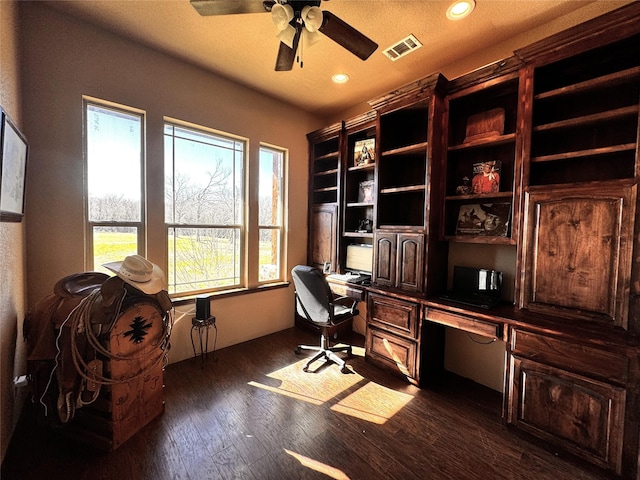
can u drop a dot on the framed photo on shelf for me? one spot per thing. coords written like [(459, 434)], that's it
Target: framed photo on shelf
[(486, 177), (364, 152), (13, 170), (365, 192), (484, 219)]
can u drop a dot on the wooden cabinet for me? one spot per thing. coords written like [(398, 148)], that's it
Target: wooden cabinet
[(559, 123), (399, 341), (359, 196), (570, 395), (483, 156), (577, 255), (408, 194), (323, 234), (324, 183), (577, 252), (399, 260), (392, 335)]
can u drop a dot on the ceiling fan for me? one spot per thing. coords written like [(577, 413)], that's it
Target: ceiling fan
[(294, 18)]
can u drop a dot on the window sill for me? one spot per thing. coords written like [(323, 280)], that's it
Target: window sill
[(231, 293)]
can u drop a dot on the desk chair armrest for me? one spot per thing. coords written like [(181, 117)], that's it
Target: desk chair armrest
[(347, 302)]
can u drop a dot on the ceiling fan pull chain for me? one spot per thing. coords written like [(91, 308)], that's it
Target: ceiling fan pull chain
[(300, 49)]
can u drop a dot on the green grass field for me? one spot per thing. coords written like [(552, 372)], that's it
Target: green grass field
[(195, 261)]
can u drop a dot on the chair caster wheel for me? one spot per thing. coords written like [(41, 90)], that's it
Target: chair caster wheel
[(297, 351)]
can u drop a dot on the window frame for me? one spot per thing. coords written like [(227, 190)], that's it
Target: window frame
[(282, 221), (242, 227), (140, 225)]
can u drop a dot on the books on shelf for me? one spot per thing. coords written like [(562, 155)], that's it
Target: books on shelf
[(484, 219)]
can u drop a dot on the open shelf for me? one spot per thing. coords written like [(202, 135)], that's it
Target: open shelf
[(485, 142), (482, 130), (605, 81), (419, 147), (585, 116)]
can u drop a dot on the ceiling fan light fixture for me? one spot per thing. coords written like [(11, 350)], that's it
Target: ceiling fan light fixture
[(460, 9), (312, 18), (310, 38), (287, 36), (281, 15)]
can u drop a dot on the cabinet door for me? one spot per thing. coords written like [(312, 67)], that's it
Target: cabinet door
[(323, 234), (385, 259), (578, 252), (582, 415), (410, 265)]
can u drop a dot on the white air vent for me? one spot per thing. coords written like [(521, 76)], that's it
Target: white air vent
[(402, 48)]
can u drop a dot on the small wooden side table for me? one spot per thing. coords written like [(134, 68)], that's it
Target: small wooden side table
[(201, 326)]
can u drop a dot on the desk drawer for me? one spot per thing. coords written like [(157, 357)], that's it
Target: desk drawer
[(395, 315), (573, 357), (463, 322)]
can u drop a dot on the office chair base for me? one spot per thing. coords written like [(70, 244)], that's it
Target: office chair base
[(329, 354)]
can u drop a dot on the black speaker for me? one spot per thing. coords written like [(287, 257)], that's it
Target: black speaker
[(203, 307)]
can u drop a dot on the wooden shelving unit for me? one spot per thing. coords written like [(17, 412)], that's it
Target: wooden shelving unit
[(465, 219), (585, 116)]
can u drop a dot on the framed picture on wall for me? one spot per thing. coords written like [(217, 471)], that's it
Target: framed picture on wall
[(13, 170)]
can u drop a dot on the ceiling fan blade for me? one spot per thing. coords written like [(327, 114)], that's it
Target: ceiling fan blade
[(345, 35), (230, 7), (287, 55)]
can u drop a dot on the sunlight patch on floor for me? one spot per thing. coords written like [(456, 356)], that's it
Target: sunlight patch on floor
[(368, 401), (357, 352), (317, 466), (316, 388), (373, 403)]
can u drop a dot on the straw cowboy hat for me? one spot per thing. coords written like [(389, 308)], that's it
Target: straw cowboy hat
[(140, 273)]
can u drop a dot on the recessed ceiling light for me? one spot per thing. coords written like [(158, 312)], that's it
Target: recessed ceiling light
[(460, 9), (340, 78)]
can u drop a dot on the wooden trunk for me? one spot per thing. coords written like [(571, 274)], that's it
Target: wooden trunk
[(137, 363)]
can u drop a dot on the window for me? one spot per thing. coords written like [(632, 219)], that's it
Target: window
[(204, 209), (271, 214), (114, 153)]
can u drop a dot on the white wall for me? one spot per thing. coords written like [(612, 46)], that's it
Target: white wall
[(12, 244)]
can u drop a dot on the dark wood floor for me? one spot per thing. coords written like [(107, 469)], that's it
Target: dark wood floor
[(252, 413)]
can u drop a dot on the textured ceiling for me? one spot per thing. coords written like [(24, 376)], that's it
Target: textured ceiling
[(244, 47)]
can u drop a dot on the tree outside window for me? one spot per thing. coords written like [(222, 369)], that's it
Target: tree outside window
[(204, 209)]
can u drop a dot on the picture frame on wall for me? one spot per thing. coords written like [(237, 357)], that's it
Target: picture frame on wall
[(13, 170), (364, 152), (484, 219)]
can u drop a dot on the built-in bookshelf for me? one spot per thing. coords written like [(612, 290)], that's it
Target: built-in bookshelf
[(482, 161)]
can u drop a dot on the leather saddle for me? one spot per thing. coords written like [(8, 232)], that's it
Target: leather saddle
[(53, 338)]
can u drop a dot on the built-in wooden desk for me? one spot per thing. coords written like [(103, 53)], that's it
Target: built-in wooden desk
[(560, 373)]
